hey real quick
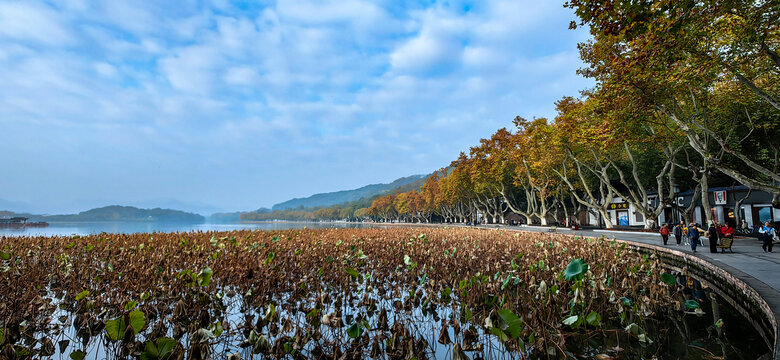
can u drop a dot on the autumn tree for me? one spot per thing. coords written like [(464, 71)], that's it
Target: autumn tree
[(683, 60)]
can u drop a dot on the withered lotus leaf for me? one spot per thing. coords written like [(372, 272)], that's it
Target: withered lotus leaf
[(289, 293)]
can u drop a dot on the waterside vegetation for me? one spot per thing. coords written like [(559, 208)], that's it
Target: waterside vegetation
[(334, 293)]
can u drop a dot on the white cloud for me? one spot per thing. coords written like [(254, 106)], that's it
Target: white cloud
[(341, 91), (241, 75), (106, 70), (32, 21), (190, 69)]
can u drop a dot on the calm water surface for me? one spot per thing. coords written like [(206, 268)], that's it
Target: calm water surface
[(87, 228)]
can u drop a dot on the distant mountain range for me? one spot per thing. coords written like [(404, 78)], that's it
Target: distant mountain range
[(162, 209), (344, 196), (117, 213), (188, 206)]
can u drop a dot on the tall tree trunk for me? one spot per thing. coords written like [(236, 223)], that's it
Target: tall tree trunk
[(705, 197)]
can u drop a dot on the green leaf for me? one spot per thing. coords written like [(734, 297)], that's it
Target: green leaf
[(355, 331), (216, 328), (510, 323), (691, 304), (131, 305), (669, 279), (158, 350), (115, 328), (82, 295), (718, 323), (270, 312), (446, 295), (506, 282), (5, 255), (269, 258), (465, 314), (78, 355), (502, 336), (204, 277), (575, 270), (571, 320), (593, 318), (626, 301), (137, 320), (634, 329), (352, 272)]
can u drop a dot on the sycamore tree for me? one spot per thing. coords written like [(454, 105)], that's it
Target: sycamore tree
[(458, 202), (535, 155), (491, 171), (383, 207), (710, 68), (431, 194), (582, 138)]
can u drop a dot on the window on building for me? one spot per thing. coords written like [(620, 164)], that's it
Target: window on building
[(639, 218), (765, 214)]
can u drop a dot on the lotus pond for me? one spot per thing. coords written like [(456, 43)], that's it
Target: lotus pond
[(449, 293)]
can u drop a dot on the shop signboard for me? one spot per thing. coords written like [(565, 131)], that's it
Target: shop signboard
[(720, 197), (618, 206)]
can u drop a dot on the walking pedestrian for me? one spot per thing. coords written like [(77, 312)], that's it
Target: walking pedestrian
[(665, 233), (678, 232), (712, 234), (693, 235), (767, 235)]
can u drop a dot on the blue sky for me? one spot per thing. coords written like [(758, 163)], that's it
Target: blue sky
[(245, 104)]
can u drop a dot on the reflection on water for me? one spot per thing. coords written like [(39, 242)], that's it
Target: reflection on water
[(131, 227), (708, 328)]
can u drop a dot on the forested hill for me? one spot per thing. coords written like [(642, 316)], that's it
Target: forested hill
[(345, 196), (128, 213)]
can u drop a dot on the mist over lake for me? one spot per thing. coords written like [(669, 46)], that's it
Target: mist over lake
[(132, 227)]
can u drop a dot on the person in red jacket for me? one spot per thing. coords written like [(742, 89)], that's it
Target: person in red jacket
[(665, 233), (728, 231)]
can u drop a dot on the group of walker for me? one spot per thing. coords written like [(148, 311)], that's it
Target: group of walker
[(720, 236)]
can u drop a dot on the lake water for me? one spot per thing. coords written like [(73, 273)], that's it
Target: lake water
[(87, 228)]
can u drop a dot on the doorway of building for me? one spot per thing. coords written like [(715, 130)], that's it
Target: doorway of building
[(622, 218)]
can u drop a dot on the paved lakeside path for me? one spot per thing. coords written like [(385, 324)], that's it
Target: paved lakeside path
[(748, 263)]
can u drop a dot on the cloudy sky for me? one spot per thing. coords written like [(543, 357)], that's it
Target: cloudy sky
[(245, 104)]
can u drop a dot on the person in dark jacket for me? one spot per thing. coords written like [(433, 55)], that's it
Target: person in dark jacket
[(693, 234), (712, 234), (678, 232)]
